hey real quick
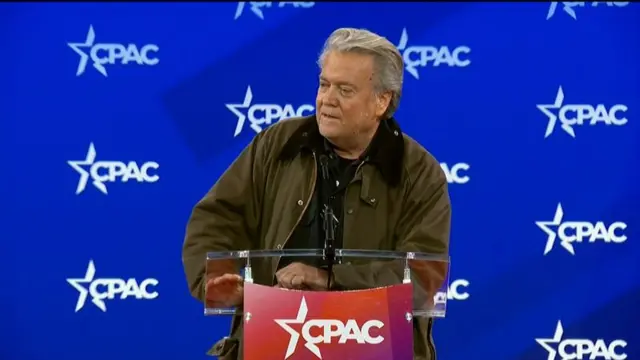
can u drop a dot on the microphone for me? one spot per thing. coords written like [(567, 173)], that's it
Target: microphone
[(324, 166), (329, 224)]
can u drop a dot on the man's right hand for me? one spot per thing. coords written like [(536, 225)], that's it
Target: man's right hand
[(225, 290)]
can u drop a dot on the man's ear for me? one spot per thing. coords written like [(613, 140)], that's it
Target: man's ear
[(382, 103)]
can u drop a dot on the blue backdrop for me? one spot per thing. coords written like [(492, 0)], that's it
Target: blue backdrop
[(531, 108)]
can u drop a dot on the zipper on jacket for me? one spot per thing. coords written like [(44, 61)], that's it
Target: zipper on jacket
[(432, 348), (313, 189)]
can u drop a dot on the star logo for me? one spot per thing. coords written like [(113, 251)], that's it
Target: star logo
[(553, 118), (557, 337), (78, 285), (402, 45), (295, 336), (78, 165), (568, 8), (84, 57), (545, 226), (242, 117), (255, 8)]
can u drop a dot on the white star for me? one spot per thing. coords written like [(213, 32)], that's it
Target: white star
[(88, 278), (555, 340), (557, 220), (77, 165), (84, 57), (567, 8), (255, 8), (295, 336), (402, 45), (241, 116), (552, 115)]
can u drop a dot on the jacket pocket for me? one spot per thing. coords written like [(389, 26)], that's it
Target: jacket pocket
[(225, 349)]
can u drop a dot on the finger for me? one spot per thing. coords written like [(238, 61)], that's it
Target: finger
[(297, 281), (283, 273), (228, 278), (220, 279), (284, 270), (285, 280)]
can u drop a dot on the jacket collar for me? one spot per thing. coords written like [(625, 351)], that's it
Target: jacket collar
[(386, 150)]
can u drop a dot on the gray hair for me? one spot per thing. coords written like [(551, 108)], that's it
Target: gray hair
[(388, 63)]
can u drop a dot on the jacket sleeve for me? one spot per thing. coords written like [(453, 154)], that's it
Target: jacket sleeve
[(226, 218), (424, 226)]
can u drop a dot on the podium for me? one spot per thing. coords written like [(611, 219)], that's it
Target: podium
[(368, 312)]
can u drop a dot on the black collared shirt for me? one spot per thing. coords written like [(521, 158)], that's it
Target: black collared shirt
[(310, 231)]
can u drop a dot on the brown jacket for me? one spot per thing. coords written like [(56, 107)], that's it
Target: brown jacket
[(398, 200)]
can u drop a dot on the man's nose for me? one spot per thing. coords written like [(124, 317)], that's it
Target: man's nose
[(330, 97)]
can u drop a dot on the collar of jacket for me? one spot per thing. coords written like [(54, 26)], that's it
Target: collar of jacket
[(386, 150)]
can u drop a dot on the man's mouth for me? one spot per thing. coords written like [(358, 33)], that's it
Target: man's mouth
[(325, 115)]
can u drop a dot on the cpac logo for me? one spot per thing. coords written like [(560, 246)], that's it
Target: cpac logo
[(580, 114), (110, 171), (110, 289), (569, 5), (110, 53), (577, 231), (256, 6), (453, 293), (579, 349), (330, 329), (456, 173), (424, 55), (264, 114)]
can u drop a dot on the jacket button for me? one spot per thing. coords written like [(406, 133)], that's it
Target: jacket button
[(350, 211), (373, 200), (300, 202), (395, 132)]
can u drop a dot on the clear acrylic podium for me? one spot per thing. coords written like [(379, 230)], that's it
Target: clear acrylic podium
[(368, 312)]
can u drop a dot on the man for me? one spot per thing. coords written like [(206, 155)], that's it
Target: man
[(387, 191)]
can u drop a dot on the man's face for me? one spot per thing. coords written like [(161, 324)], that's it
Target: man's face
[(346, 104)]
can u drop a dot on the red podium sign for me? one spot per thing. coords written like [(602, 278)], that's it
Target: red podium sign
[(373, 324)]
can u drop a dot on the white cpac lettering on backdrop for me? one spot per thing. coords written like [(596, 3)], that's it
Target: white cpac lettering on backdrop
[(109, 288), (581, 114), (571, 232), (579, 349), (102, 172), (109, 53), (569, 5), (331, 329), (456, 173), (264, 114), (256, 6), (454, 292), (422, 56)]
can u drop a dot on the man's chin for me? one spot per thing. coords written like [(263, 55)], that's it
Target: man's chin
[(329, 131)]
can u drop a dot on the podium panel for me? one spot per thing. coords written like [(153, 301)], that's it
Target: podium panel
[(297, 325), (426, 275)]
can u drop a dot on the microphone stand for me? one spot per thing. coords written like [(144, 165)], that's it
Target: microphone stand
[(329, 223), (329, 241)]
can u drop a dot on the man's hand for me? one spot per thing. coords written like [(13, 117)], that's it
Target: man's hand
[(225, 290), (300, 276)]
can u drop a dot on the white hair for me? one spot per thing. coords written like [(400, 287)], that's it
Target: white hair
[(388, 63)]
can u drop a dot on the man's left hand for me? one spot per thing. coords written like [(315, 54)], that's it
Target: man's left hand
[(300, 276)]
